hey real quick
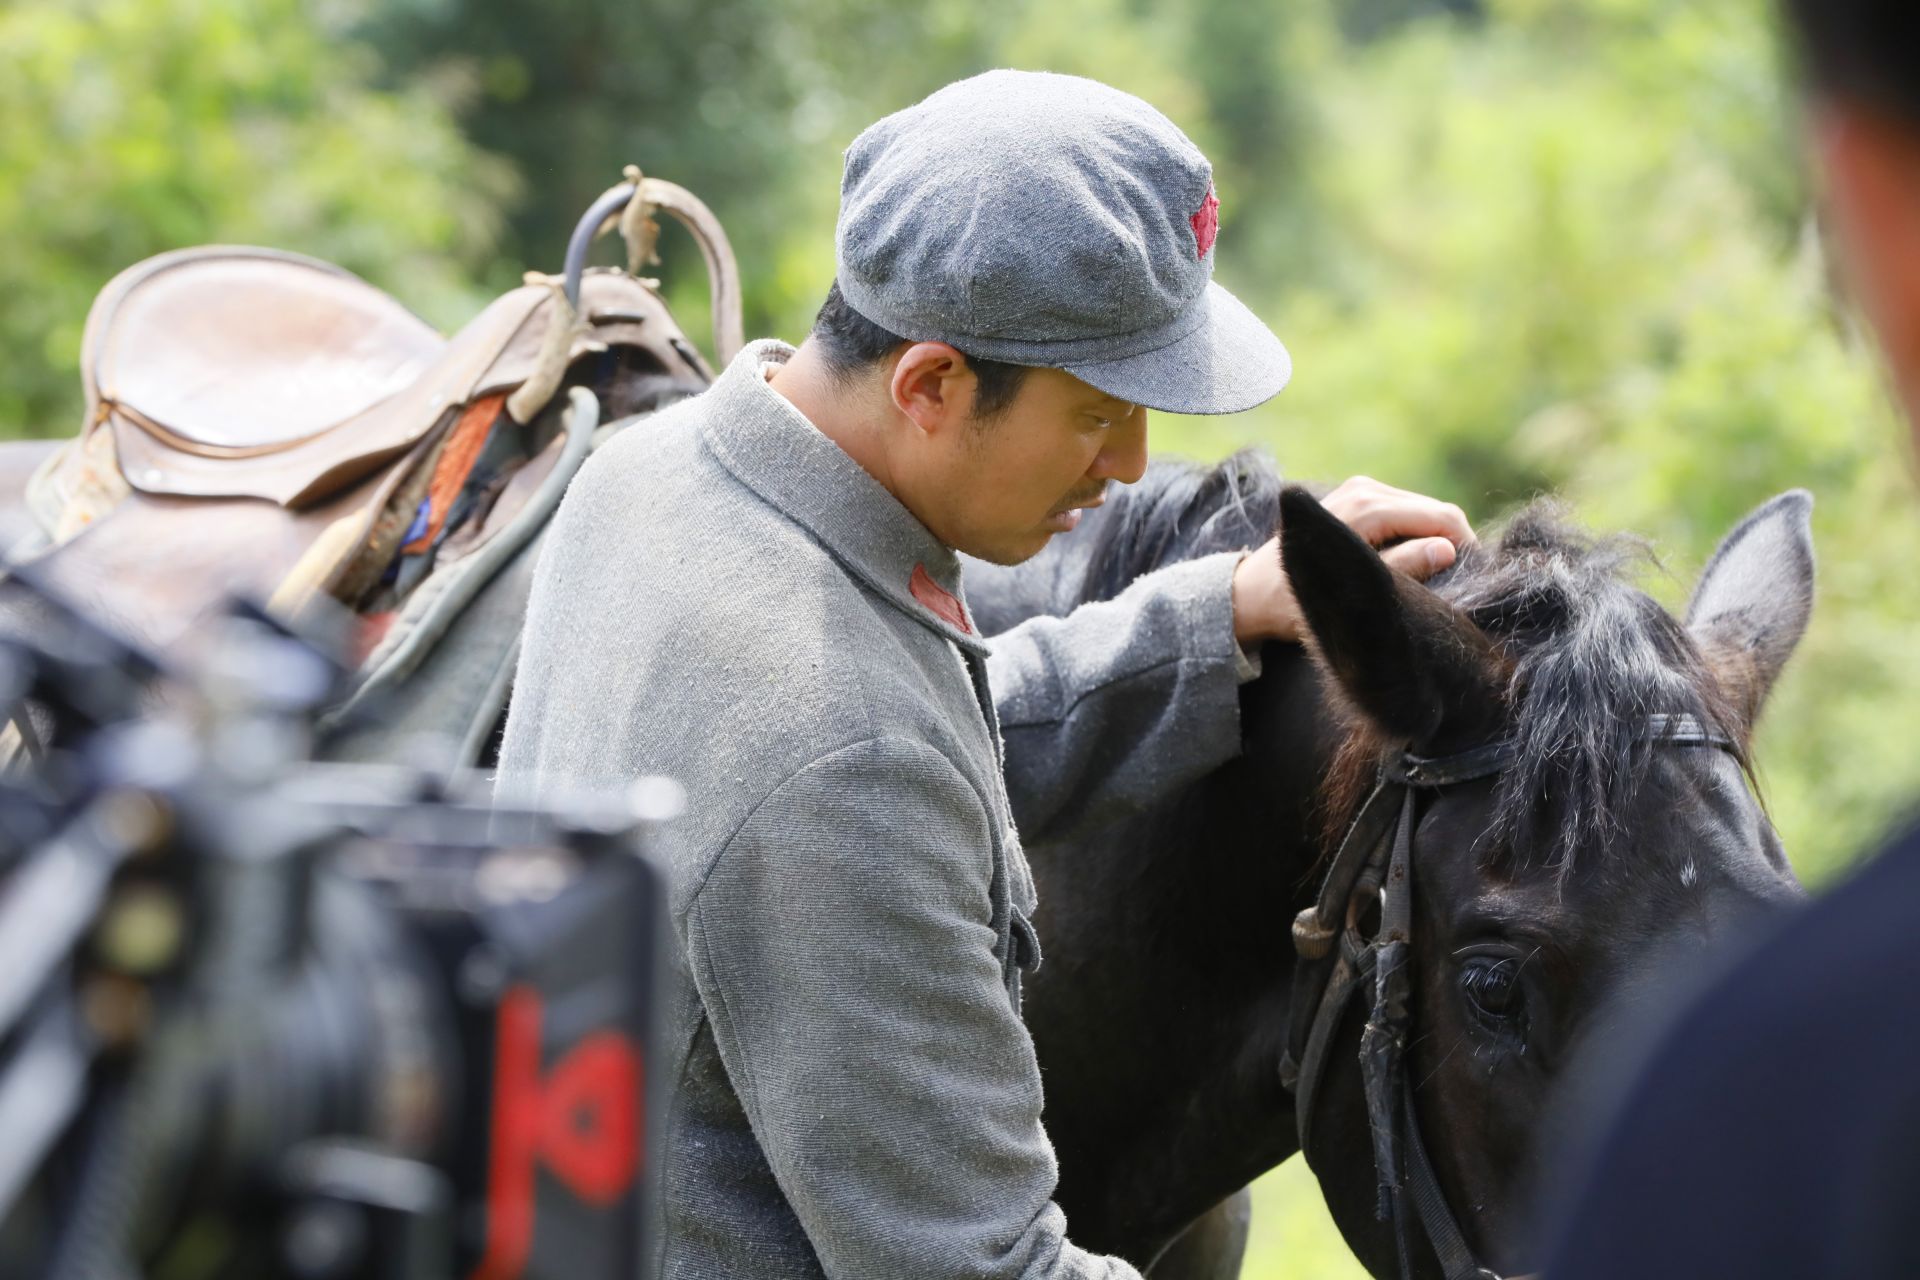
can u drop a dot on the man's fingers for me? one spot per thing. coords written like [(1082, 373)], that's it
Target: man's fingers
[(1381, 513), (1421, 558), (1410, 515)]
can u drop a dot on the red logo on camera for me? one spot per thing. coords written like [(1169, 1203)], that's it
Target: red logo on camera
[(581, 1120)]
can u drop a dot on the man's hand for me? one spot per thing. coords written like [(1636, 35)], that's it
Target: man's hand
[(1432, 532)]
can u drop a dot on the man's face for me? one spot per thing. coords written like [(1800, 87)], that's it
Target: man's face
[(1000, 488)]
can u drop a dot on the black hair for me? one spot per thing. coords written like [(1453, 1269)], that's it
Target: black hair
[(1865, 51), (852, 344)]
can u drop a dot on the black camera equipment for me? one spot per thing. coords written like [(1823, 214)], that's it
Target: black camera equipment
[(266, 1018)]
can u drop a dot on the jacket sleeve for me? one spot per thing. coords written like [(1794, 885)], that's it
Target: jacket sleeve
[(1115, 706), (844, 947)]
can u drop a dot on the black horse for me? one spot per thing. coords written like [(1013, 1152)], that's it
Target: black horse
[(1162, 1011)]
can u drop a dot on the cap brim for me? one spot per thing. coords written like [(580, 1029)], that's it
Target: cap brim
[(1229, 363)]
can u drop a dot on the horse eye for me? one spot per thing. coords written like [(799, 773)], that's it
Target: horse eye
[(1493, 988)]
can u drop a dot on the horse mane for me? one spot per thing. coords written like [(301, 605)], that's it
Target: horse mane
[(1180, 511), (1588, 656)]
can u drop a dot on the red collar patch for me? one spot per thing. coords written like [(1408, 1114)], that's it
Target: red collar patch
[(942, 603), (1206, 223)]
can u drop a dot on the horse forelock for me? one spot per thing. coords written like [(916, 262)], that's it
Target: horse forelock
[(1587, 657)]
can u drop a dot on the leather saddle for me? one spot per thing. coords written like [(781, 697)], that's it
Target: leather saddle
[(258, 421)]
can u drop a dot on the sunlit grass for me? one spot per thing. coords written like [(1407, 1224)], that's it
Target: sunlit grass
[(1293, 1238)]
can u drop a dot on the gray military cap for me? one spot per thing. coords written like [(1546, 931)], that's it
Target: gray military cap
[(1049, 220)]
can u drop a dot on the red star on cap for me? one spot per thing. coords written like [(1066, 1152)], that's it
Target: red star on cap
[(1206, 223)]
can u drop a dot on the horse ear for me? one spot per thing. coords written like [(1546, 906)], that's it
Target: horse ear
[(1754, 598), (1406, 660)]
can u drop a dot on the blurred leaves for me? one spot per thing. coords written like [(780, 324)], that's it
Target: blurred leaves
[(128, 128)]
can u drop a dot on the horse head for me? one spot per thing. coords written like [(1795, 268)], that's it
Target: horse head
[(1540, 801)]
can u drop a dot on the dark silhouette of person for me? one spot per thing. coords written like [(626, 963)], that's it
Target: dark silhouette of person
[(1774, 1129)]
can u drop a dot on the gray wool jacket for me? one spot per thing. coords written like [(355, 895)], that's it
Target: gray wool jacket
[(726, 597)]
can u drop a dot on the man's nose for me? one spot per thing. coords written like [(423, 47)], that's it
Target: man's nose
[(1124, 458)]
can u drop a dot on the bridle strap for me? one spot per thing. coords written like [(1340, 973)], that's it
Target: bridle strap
[(1385, 1034), (1375, 861), (1450, 1247), (1348, 977), (1484, 761), (1363, 845)]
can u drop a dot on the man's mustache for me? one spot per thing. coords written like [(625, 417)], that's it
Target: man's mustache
[(1091, 497)]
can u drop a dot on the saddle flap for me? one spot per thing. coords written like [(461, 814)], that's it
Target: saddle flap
[(158, 565)]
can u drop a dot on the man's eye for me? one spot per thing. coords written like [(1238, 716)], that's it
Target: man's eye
[(1100, 423)]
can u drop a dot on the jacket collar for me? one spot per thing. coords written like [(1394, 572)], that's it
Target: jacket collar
[(773, 449)]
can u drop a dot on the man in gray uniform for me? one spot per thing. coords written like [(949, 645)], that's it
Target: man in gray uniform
[(757, 592)]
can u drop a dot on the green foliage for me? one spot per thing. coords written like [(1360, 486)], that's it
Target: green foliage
[(745, 101), (128, 128)]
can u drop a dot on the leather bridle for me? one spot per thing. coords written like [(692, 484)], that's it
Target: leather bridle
[(1339, 959)]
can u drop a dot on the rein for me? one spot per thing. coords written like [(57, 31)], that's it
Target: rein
[(1374, 868)]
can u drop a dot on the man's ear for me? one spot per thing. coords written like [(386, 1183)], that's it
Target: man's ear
[(1407, 661), (1754, 599), (932, 386)]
